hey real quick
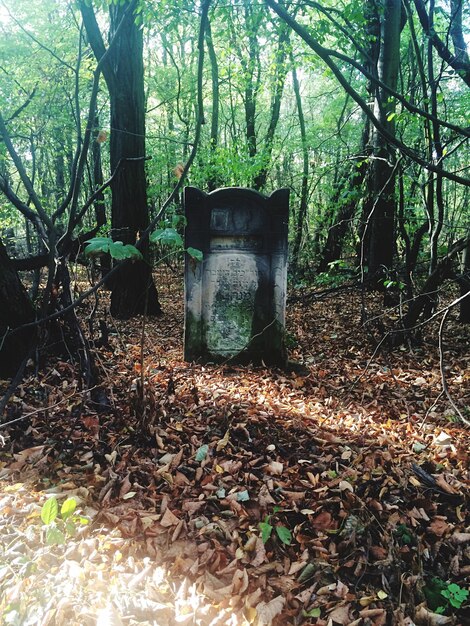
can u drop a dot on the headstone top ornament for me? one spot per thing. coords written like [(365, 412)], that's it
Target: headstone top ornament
[(235, 297)]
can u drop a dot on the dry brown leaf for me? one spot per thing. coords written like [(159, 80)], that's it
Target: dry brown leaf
[(340, 614), (169, 519), (275, 468), (322, 521), (439, 527), (267, 611), (444, 485), (260, 553), (460, 538)]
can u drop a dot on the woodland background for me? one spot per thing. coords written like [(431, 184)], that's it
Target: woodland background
[(334, 492)]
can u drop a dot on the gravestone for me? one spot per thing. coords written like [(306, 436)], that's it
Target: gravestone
[(235, 297)]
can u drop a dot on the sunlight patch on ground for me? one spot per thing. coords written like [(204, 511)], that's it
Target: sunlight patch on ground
[(95, 578)]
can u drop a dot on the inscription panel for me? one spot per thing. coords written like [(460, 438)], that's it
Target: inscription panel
[(230, 284)]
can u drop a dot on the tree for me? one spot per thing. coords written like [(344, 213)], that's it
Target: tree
[(380, 204), (17, 309), (133, 290)]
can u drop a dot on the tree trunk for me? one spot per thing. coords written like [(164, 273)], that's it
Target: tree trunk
[(278, 88), (464, 282), (133, 290), (214, 179), (350, 183), (381, 203), (129, 188), (302, 214), (16, 310)]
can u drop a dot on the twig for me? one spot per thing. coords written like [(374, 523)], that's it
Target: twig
[(15, 381), (46, 408), (445, 388)]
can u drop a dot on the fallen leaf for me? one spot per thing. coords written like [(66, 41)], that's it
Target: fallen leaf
[(169, 519), (267, 611)]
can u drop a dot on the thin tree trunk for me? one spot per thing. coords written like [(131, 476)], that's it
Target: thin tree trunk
[(214, 180), (279, 81), (382, 202), (302, 213)]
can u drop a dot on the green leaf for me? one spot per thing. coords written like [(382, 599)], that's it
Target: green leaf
[(195, 254), (316, 612), (120, 251), (97, 245), (49, 510), (54, 536), (68, 508), (390, 116), (167, 236), (70, 527), (266, 530), (202, 453), (178, 220), (307, 572), (284, 535)]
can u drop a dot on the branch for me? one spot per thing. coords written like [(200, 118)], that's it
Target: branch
[(81, 154), (325, 54), (23, 174), (21, 108), (22, 207), (461, 67)]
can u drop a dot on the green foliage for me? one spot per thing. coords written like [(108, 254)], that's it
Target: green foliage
[(339, 272), (167, 236), (404, 535), (105, 245), (195, 254), (391, 284), (59, 525), (443, 597), (283, 533), (455, 595)]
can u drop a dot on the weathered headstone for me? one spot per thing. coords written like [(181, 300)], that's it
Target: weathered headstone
[(235, 297)]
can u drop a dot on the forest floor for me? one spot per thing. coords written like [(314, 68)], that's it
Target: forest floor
[(335, 493)]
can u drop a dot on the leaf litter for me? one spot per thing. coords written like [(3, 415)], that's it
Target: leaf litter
[(351, 457)]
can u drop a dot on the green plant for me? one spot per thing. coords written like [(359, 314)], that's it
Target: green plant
[(404, 535), (266, 528), (454, 595), (59, 524), (105, 245), (444, 597), (390, 284), (167, 235)]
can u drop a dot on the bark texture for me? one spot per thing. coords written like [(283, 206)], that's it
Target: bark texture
[(16, 309)]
